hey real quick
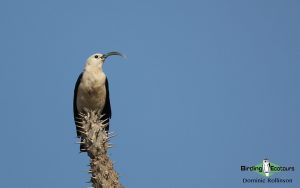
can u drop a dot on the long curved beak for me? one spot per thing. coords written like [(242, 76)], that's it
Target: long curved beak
[(113, 53)]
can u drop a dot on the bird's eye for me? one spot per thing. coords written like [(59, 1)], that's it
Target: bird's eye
[(96, 56)]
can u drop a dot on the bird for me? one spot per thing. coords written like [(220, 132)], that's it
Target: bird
[(92, 92), (266, 167)]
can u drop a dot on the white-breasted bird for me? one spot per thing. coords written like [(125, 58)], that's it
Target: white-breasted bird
[(91, 91), (266, 167)]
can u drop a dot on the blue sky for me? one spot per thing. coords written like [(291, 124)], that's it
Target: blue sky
[(208, 86)]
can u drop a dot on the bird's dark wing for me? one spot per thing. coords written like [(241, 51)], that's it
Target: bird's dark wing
[(77, 118), (106, 112)]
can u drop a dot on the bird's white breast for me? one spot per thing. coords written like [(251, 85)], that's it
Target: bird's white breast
[(91, 91)]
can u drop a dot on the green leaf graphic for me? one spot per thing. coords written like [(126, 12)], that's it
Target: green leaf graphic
[(259, 169)]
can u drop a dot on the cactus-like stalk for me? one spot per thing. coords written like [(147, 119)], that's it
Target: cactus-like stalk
[(96, 141)]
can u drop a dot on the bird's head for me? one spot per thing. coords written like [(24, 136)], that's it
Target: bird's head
[(97, 60), (266, 161)]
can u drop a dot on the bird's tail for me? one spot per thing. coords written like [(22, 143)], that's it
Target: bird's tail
[(82, 146), (79, 131)]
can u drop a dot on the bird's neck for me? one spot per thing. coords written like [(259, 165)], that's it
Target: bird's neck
[(93, 68), (94, 76)]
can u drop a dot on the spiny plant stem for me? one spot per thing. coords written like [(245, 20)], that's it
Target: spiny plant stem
[(96, 141)]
